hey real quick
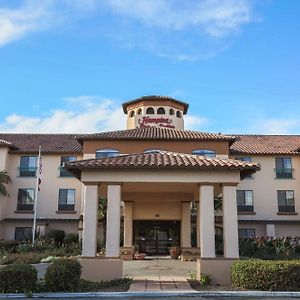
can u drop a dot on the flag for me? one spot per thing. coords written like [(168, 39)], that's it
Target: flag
[(40, 169)]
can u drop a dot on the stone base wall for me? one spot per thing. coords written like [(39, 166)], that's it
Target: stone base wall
[(97, 269), (218, 269)]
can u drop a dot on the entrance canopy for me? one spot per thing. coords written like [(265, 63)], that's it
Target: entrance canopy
[(162, 160)]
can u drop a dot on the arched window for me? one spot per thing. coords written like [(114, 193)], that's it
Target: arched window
[(139, 112), (161, 111), (204, 152), (131, 114), (150, 111), (152, 150), (178, 114), (107, 153), (172, 112)]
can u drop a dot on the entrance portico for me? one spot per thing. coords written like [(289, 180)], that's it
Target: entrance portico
[(159, 187)]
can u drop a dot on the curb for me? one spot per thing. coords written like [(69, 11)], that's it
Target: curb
[(207, 294)]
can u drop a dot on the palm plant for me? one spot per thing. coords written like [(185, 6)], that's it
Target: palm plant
[(4, 179)]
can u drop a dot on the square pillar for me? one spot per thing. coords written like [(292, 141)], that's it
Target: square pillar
[(207, 221), (128, 228), (271, 230), (198, 224), (90, 221), (186, 224), (230, 222), (113, 221)]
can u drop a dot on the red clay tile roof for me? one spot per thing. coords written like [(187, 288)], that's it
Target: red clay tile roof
[(266, 144), (155, 97), (157, 133), (162, 159), (50, 143), (5, 143)]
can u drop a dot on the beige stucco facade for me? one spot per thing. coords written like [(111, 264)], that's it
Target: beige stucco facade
[(142, 202)]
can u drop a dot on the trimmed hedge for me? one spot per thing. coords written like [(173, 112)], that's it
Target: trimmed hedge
[(55, 235), (63, 275), (8, 245), (18, 278), (266, 275)]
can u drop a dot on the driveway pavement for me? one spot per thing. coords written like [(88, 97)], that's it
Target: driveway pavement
[(158, 274)]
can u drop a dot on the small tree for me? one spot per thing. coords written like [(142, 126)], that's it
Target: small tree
[(4, 179)]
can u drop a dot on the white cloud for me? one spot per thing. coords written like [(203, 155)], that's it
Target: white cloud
[(215, 17), (84, 114), (182, 30), (195, 122), (277, 126)]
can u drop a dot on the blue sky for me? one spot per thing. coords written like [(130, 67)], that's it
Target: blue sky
[(67, 65)]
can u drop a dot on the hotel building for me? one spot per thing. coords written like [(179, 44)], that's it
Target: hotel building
[(161, 183)]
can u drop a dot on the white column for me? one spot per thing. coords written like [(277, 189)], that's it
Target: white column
[(198, 224), (207, 221), (186, 224), (128, 242), (113, 221), (90, 221), (230, 222), (271, 230)]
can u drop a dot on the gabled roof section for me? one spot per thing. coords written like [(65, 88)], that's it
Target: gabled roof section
[(162, 160), (153, 98), (50, 143), (157, 133), (4, 143), (266, 145)]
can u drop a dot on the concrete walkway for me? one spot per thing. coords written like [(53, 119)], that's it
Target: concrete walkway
[(158, 275)]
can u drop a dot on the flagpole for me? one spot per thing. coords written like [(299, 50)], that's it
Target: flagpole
[(36, 196)]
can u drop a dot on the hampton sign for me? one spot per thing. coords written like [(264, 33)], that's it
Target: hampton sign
[(153, 121)]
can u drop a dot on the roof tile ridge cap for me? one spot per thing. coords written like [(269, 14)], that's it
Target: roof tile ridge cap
[(38, 133)]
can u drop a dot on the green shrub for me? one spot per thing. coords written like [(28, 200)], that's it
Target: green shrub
[(71, 238), (266, 275), (18, 278), (63, 275), (270, 248), (204, 280), (55, 235), (27, 258), (8, 245)]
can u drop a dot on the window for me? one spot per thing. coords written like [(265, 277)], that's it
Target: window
[(244, 200), (63, 172), (204, 152), (107, 153), (246, 159), (131, 114), (172, 112), (25, 199), (150, 111), (246, 232), (283, 167), (161, 111), (139, 112), (178, 114), (286, 201), (66, 199), (28, 166), (23, 233)]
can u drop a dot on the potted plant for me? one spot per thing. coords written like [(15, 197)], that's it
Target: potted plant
[(174, 252)]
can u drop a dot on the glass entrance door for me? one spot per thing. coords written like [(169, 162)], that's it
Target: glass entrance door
[(155, 237)]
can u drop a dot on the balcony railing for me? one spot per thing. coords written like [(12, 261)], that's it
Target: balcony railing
[(284, 173), (286, 208), (246, 208), (66, 207), (64, 173), (27, 171), (25, 207)]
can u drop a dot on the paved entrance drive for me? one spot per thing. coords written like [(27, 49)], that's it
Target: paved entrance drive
[(158, 274)]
